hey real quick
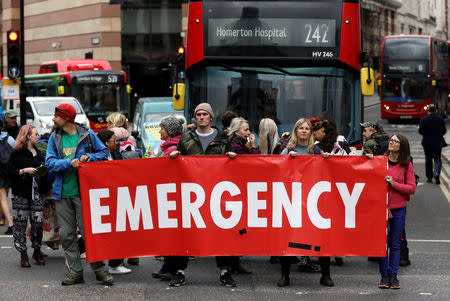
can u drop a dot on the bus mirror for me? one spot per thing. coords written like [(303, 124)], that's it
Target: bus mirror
[(433, 82), (367, 81), (179, 91), (129, 89), (61, 90), (379, 82)]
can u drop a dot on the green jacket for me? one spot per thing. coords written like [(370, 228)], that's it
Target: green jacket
[(190, 145), (371, 146)]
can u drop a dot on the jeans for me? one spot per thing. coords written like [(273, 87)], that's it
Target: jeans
[(432, 153), (389, 264)]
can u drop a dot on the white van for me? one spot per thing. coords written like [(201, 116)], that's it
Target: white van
[(40, 111)]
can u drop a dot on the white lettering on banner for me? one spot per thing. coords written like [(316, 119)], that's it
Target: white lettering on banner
[(164, 205), (292, 209), (125, 208), (235, 207), (311, 205), (254, 204), (350, 201), (191, 209), (97, 210)]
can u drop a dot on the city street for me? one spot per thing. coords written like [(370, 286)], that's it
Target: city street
[(427, 278)]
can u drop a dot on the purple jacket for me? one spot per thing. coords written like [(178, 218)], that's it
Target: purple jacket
[(239, 147)]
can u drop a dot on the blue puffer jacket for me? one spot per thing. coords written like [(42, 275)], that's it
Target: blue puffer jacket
[(57, 165)]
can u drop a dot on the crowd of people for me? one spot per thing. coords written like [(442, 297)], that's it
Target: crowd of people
[(71, 143)]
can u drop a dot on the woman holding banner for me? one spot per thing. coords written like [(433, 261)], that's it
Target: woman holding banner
[(301, 143), (401, 185)]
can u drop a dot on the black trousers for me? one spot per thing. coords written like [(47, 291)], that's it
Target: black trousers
[(285, 262), (172, 264)]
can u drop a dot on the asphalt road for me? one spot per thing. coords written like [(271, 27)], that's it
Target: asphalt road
[(428, 277)]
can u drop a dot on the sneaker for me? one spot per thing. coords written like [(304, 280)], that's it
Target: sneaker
[(385, 282), (308, 267), (227, 280), (121, 269), (72, 278), (178, 280), (394, 282), (326, 280), (405, 262), (105, 278)]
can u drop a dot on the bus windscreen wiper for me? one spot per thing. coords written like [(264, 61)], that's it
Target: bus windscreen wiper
[(238, 70), (272, 66)]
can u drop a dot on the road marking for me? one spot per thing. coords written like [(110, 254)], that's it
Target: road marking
[(6, 247), (444, 186), (6, 236), (426, 294), (430, 240)]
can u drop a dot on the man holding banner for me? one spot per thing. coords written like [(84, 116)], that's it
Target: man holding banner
[(70, 144), (205, 140)]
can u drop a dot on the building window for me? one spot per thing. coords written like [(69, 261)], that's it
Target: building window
[(412, 30), (402, 28), (420, 30)]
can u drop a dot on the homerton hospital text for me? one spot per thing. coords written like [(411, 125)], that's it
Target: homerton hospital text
[(257, 32)]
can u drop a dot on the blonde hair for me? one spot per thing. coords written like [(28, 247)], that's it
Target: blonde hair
[(235, 125), (294, 139), (117, 120), (268, 136)]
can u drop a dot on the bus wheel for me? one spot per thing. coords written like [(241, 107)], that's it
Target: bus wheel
[(390, 120)]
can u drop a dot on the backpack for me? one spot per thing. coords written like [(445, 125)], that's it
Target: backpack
[(382, 145), (127, 150), (5, 153)]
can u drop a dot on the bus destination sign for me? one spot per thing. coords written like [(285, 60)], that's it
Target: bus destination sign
[(99, 79)]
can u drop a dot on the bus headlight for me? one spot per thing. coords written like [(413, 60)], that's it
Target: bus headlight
[(425, 108), (387, 107)]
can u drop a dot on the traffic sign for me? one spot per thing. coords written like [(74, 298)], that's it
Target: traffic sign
[(13, 72)]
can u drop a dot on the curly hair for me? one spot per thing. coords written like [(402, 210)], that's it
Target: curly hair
[(331, 134), (23, 137)]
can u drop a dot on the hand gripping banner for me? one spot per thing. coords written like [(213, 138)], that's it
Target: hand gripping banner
[(250, 205)]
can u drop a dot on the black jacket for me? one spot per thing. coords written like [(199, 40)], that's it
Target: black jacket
[(21, 185), (432, 128)]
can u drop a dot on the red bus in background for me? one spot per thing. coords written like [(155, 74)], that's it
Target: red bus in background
[(73, 65), (414, 74), (100, 90), (283, 60)]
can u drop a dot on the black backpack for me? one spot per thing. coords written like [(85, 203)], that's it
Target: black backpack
[(5, 153), (382, 145)]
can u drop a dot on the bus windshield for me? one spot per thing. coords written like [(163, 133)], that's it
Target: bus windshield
[(406, 89), (102, 99), (417, 48), (283, 94)]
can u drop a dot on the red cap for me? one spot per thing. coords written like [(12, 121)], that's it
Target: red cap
[(66, 111)]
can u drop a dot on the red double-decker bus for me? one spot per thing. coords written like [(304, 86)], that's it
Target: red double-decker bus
[(283, 60), (414, 74)]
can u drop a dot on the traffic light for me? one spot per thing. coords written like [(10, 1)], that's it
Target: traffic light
[(13, 52)]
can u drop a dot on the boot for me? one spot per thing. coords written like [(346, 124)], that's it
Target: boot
[(325, 280), (37, 256), (284, 280), (24, 262)]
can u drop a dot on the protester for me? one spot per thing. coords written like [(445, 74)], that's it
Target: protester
[(432, 128), (376, 139), (70, 144), (242, 140), (108, 138), (300, 143), (401, 185), (27, 201), (12, 128), (205, 140), (6, 146), (269, 140), (226, 119)]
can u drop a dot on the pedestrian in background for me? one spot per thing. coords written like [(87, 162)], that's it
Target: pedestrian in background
[(7, 145), (108, 138), (376, 139), (401, 185), (118, 123), (70, 144), (432, 128), (27, 202), (269, 140), (205, 140), (11, 127), (226, 118)]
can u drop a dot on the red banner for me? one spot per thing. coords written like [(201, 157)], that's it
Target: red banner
[(250, 205)]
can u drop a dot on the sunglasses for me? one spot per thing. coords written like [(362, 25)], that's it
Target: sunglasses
[(394, 140)]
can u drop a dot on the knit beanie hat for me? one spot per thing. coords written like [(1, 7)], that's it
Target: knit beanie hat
[(205, 107), (66, 111), (317, 123), (172, 125)]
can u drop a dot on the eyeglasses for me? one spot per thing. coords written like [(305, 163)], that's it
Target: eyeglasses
[(112, 140), (394, 140)]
